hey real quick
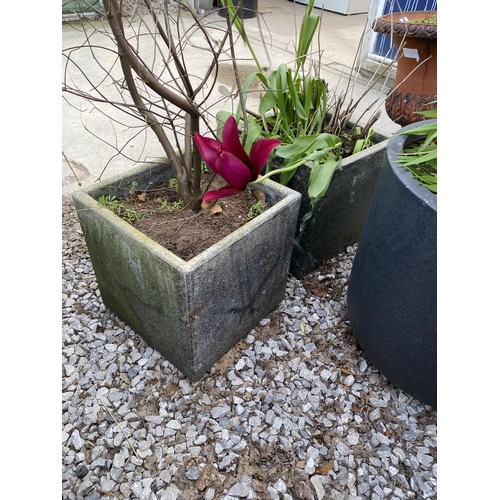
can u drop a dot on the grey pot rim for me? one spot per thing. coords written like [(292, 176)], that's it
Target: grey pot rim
[(395, 146)]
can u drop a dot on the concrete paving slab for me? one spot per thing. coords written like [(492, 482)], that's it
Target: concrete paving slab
[(87, 158)]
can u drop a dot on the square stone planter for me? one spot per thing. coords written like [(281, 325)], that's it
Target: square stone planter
[(338, 218), (191, 312)]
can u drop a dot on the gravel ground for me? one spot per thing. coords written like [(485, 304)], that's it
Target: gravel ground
[(293, 412)]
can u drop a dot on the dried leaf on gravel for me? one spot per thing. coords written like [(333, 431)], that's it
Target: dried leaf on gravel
[(170, 390), (227, 361), (255, 471), (259, 487), (125, 380), (346, 371), (319, 290), (204, 480), (303, 491), (323, 471)]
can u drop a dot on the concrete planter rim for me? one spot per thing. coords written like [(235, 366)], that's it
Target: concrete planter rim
[(85, 195)]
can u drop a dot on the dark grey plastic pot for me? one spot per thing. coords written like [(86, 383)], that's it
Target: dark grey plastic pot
[(392, 294), (192, 312), (338, 218)]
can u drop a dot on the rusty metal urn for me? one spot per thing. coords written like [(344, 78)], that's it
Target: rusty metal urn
[(415, 84)]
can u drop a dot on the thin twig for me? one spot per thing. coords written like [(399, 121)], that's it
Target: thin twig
[(191, 217), (119, 427), (69, 165)]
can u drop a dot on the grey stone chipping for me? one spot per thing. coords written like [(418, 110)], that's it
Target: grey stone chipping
[(295, 411)]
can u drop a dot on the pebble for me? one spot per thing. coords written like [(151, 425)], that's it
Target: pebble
[(173, 424), (283, 413), (318, 487), (118, 461), (170, 493), (239, 490), (76, 440), (193, 473), (220, 411), (81, 471)]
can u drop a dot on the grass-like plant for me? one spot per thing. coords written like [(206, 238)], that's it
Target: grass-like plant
[(297, 108), (420, 157)]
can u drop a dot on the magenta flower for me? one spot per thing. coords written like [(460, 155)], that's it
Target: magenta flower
[(230, 161)]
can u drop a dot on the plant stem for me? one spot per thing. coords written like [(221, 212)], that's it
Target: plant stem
[(293, 166), (151, 120), (229, 5), (113, 16)]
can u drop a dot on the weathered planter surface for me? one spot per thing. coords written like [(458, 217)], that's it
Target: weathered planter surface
[(392, 295), (338, 218), (192, 312)]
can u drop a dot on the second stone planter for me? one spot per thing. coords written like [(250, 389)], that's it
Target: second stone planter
[(338, 218), (192, 311)]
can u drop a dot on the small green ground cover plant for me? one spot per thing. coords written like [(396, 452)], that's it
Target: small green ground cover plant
[(165, 205), (256, 210), (425, 20), (129, 207), (118, 207)]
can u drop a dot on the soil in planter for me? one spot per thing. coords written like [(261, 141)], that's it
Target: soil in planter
[(158, 213)]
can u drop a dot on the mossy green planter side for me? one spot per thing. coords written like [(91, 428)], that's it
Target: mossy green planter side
[(192, 312), (338, 218)]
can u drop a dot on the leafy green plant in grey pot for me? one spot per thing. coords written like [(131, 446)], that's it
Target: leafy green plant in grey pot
[(392, 294), (338, 217), (326, 154)]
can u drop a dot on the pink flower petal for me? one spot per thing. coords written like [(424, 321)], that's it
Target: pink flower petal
[(233, 171), (231, 141), (220, 193), (208, 148), (260, 152)]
